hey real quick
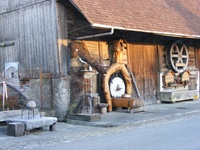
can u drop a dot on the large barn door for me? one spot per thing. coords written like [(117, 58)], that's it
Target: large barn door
[(143, 62)]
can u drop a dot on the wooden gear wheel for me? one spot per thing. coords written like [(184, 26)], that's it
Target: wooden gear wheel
[(177, 57)]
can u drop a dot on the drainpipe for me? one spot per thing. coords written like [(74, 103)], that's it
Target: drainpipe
[(96, 35)]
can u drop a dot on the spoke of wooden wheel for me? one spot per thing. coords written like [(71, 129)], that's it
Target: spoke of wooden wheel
[(180, 64), (177, 48), (181, 51), (179, 60), (184, 56), (174, 56)]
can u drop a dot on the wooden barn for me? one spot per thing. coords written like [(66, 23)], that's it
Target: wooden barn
[(65, 49)]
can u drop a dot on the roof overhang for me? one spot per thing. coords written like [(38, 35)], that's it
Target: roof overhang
[(94, 24), (179, 35)]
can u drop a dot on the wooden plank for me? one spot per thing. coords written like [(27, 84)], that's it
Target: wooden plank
[(144, 65), (100, 52), (197, 56), (93, 49), (160, 57), (104, 48), (197, 63)]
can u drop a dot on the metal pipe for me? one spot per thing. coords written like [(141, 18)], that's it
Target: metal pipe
[(96, 35), (192, 36)]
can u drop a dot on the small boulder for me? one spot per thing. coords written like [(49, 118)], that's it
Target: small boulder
[(31, 104)]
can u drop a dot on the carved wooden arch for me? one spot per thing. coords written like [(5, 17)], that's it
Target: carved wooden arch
[(114, 68)]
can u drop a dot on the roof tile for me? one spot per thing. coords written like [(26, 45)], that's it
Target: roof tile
[(162, 16)]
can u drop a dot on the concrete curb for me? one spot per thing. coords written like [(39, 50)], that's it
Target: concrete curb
[(137, 123)]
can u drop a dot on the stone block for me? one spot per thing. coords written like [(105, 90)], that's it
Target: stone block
[(103, 108), (103, 105), (15, 129)]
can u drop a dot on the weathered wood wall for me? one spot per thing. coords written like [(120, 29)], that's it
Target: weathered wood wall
[(197, 55), (32, 26), (62, 33), (197, 60), (143, 61)]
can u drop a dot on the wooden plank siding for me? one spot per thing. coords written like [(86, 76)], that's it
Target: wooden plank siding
[(62, 33), (8, 6), (93, 48), (31, 25), (197, 56), (197, 62), (143, 62), (99, 50), (191, 61)]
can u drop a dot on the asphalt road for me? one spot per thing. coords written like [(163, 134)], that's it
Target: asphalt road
[(179, 134)]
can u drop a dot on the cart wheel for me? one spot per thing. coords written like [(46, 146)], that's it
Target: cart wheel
[(177, 57)]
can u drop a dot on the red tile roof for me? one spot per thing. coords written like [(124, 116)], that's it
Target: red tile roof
[(167, 17)]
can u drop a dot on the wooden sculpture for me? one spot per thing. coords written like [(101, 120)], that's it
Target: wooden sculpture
[(119, 66)]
